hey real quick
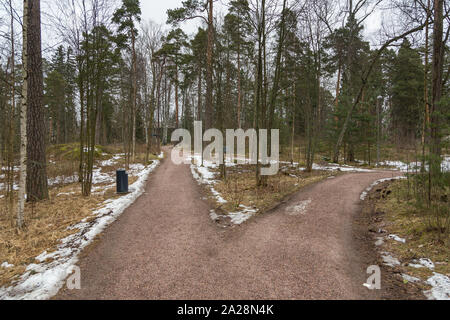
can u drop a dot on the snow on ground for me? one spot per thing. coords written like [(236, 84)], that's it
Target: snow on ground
[(241, 216), (204, 175), (337, 167), (98, 177), (422, 263), (397, 238), (44, 280), (415, 166), (389, 260), (299, 208), (440, 287), (376, 183), (6, 265), (409, 278), (440, 284)]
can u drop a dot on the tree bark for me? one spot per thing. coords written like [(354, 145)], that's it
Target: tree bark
[(37, 185), (23, 122), (209, 68), (133, 111), (438, 70)]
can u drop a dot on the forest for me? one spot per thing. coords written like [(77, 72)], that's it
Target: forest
[(349, 83)]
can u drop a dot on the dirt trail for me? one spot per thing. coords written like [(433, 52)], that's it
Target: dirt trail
[(165, 246)]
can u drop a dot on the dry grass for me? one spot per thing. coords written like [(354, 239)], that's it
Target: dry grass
[(47, 222), (240, 187), (422, 240)]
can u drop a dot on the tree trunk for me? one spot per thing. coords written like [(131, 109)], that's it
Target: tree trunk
[(177, 104), (37, 185), (23, 122), (438, 68), (133, 111), (239, 104), (209, 68), (199, 94)]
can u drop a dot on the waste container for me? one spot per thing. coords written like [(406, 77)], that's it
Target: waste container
[(122, 181)]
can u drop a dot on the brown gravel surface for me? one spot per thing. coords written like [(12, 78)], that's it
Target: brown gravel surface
[(165, 246)]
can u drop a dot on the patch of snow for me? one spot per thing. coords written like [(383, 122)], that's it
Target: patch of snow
[(422, 263), (440, 287), (6, 265), (42, 281), (65, 194), (415, 166), (240, 217), (203, 175), (342, 168), (397, 238), (299, 208), (15, 187), (376, 183), (60, 180), (112, 161), (409, 278), (389, 260)]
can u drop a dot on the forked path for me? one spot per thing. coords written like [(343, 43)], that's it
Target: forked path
[(165, 246)]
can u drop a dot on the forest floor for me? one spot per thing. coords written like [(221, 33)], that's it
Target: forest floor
[(309, 246), (412, 243), (67, 215)]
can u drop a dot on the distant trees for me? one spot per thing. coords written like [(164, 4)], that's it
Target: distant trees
[(126, 18), (204, 9), (407, 94), (60, 97), (304, 67)]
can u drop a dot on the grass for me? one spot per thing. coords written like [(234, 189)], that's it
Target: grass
[(240, 187), (423, 239), (47, 222)]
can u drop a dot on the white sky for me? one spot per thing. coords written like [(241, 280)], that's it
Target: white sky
[(156, 10)]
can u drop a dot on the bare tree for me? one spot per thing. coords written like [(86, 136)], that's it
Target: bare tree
[(23, 121)]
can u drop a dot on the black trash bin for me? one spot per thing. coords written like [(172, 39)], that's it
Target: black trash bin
[(122, 181)]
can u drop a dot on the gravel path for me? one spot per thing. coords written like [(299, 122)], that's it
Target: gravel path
[(165, 246)]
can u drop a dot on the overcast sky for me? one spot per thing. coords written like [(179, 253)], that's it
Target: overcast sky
[(156, 10)]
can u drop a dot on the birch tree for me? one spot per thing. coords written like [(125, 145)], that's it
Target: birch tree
[(23, 121)]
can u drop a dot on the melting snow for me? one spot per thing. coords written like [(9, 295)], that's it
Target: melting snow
[(376, 183), (6, 265), (389, 260), (441, 287), (415, 166), (410, 278), (299, 208), (397, 238), (42, 281), (241, 216), (422, 263)]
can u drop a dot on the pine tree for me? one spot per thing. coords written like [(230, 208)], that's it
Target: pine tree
[(37, 184)]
